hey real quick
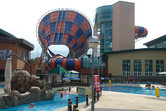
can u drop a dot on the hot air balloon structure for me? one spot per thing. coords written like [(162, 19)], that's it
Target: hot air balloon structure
[(64, 27), (140, 32)]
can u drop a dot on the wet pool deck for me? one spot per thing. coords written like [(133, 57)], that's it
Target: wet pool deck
[(116, 101)]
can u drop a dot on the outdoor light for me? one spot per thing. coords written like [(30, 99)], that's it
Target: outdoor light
[(93, 43)]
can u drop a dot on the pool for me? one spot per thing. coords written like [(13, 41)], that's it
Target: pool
[(135, 90), (51, 105)]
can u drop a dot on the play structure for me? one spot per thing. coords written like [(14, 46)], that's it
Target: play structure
[(64, 27)]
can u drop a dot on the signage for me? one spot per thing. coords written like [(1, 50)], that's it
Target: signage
[(97, 83), (73, 76)]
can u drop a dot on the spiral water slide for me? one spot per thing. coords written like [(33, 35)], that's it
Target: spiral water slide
[(64, 27), (140, 32)]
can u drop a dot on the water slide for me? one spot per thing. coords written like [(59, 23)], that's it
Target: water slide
[(73, 29), (64, 27), (140, 32)]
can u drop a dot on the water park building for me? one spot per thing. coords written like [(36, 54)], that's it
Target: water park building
[(115, 26), (10, 44)]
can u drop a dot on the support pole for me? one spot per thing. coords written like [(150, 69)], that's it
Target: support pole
[(77, 102), (69, 100), (92, 105), (87, 100)]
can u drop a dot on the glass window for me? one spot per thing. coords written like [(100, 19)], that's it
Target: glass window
[(152, 46), (164, 44), (126, 67), (148, 67), (105, 37), (2, 78), (159, 45), (159, 66), (137, 68), (23, 55)]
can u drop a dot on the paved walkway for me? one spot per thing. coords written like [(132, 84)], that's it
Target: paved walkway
[(116, 101)]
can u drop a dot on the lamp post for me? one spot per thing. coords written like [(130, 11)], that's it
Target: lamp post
[(98, 56), (93, 43), (92, 76)]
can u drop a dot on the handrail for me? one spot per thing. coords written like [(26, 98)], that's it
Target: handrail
[(22, 60)]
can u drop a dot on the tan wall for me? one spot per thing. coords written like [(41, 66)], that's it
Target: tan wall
[(115, 60), (123, 26)]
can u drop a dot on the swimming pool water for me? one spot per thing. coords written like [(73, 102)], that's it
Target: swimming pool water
[(135, 90), (51, 105)]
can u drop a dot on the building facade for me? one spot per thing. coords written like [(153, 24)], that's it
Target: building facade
[(10, 44), (137, 62), (116, 26)]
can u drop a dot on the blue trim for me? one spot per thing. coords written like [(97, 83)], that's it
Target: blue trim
[(70, 37), (43, 34), (61, 37), (79, 19), (58, 61), (70, 64), (56, 37), (46, 20), (52, 27), (78, 34), (68, 26), (48, 40), (88, 33), (141, 30)]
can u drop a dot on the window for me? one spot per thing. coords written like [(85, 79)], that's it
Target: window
[(2, 72), (23, 55), (152, 46), (4, 54), (159, 45), (126, 67), (164, 44), (148, 67), (159, 66), (137, 68)]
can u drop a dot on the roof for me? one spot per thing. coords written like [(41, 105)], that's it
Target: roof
[(59, 70), (157, 40), (136, 50), (7, 37), (4, 33)]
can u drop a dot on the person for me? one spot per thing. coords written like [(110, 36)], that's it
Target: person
[(131, 79), (148, 85)]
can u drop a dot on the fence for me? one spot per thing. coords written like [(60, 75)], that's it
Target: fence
[(140, 79)]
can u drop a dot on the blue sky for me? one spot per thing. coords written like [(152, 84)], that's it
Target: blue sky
[(20, 17)]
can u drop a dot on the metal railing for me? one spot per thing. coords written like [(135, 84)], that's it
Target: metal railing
[(23, 61)]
